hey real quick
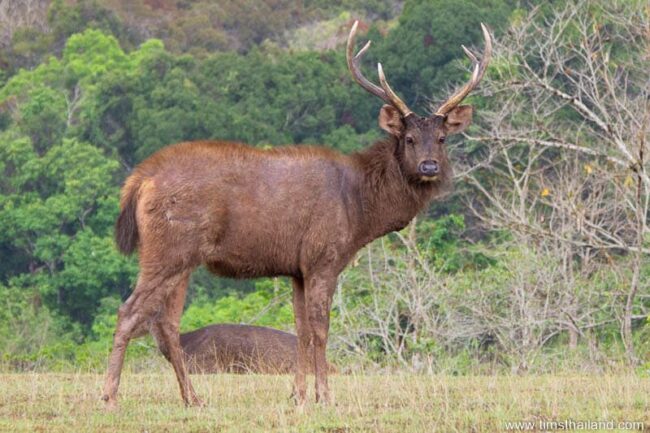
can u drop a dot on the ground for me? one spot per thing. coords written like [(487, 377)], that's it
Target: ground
[(47, 402)]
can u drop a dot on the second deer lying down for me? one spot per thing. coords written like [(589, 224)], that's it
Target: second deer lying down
[(240, 349), (298, 211)]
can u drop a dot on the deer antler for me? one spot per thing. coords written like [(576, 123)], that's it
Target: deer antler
[(477, 74), (384, 92)]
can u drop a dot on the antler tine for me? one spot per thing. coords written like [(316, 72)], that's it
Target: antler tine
[(353, 64), (469, 54), (386, 94), (395, 100), (477, 74)]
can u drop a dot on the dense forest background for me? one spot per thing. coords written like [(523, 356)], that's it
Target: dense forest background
[(539, 260)]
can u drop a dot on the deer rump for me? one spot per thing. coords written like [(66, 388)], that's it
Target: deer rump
[(240, 349)]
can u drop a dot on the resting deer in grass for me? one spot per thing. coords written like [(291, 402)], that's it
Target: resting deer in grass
[(241, 349), (296, 211)]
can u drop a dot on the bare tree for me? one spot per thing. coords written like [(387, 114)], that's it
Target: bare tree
[(564, 164), (24, 13), (409, 307), (400, 294)]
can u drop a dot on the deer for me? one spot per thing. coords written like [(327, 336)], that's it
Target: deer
[(240, 349), (301, 212)]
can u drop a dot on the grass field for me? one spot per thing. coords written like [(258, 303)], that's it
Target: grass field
[(392, 403)]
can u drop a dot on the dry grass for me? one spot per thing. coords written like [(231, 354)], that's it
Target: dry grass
[(393, 403)]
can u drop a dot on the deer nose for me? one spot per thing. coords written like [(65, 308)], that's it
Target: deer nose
[(428, 167)]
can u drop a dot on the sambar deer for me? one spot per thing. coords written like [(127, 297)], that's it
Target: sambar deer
[(295, 211), (242, 349)]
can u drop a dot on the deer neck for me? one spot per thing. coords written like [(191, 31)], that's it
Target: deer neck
[(389, 201)]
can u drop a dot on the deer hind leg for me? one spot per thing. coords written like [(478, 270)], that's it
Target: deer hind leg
[(141, 307), (171, 312), (165, 330), (303, 330)]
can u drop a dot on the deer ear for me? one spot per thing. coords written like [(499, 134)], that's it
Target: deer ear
[(458, 119), (390, 120)]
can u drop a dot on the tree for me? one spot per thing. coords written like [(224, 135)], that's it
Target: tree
[(566, 128), (419, 53), (26, 13), (42, 117), (56, 212)]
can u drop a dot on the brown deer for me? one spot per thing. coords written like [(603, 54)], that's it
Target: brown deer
[(240, 349), (296, 211)]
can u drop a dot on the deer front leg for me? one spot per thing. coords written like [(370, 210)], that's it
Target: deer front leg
[(319, 293), (303, 331)]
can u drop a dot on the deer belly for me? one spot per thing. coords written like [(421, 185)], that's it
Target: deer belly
[(246, 260), (256, 236)]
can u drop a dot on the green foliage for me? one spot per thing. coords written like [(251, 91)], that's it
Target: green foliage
[(258, 98), (95, 96), (418, 55), (382, 9), (53, 229), (268, 305), (347, 140), (91, 54), (441, 240), (28, 47), (82, 281), (21, 85), (197, 27), (42, 117), (68, 18), (26, 327)]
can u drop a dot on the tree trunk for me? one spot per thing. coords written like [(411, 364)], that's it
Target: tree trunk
[(626, 327)]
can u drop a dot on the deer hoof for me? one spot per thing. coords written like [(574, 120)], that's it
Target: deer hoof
[(195, 402), (323, 399), (110, 404), (298, 398)]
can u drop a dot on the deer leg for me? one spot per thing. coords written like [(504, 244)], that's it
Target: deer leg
[(319, 299), (144, 303), (166, 333), (304, 340), (172, 311)]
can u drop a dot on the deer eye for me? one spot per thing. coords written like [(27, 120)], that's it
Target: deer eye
[(441, 139), (409, 140)]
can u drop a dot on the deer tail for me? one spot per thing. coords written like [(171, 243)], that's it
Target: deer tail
[(126, 227)]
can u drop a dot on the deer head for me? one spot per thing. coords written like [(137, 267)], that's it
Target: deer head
[(421, 140)]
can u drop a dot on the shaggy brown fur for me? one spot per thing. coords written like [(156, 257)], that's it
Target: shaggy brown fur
[(240, 349)]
